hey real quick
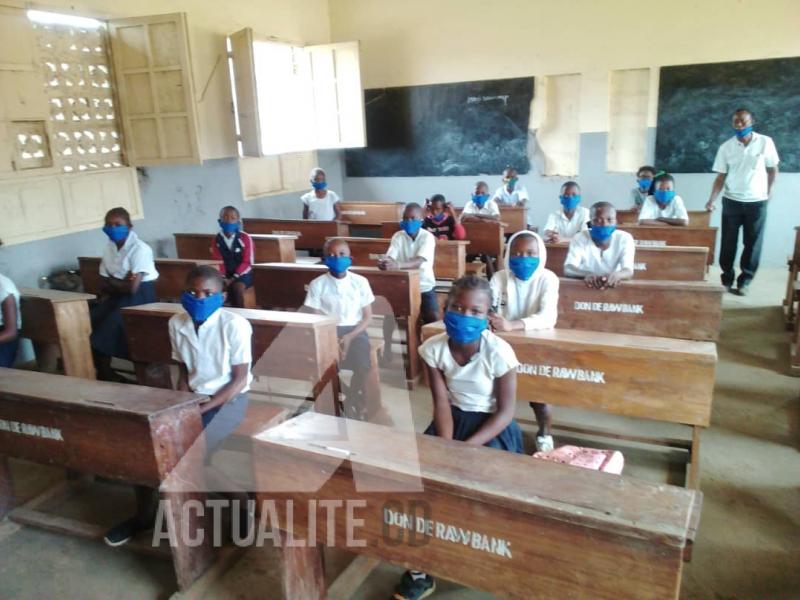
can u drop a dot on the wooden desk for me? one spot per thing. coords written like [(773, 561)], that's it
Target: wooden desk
[(398, 289), (793, 262), (302, 346), (127, 433), (685, 310), (673, 263), (594, 526), (636, 376), (171, 280), (267, 248), (667, 235), (449, 262), (311, 235), (514, 217), (370, 213), (59, 320), (697, 218)]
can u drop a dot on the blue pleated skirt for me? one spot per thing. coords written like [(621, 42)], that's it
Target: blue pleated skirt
[(466, 423)]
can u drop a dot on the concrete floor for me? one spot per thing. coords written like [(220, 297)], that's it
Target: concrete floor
[(749, 539)]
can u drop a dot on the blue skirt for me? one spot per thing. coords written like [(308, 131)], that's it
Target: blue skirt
[(466, 423), (108, 334), (8, 353)]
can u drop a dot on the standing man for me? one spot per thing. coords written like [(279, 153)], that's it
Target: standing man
[(746, 167)]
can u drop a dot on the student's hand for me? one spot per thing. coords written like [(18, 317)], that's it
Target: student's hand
[(614, 279), (499, 323), (711, 206), (552, 237), (344, 345), (387, 264), (597, 282), (207, 404)]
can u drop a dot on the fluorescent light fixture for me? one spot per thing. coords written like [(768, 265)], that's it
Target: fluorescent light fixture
[(51, 18)]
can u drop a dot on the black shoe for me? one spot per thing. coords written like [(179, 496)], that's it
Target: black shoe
[(123, 532), (742, 291), (414, 589)]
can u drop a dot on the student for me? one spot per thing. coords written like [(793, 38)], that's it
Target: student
[(601, 256), (644, 186), (525, 297), (129, 275), (563, 225), (441, 220), (348, 297), (10, 321), (473, 381), (664, 207), (320, 204), (234, 249), (480, 207), (412, 248), (212, 347), (511, 193)]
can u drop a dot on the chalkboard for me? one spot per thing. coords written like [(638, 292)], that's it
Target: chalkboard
[(696, 104), (468, 128)]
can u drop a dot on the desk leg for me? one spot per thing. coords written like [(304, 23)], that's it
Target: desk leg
[(191, 555), (302, 573), (74, 328), (7, 500), (412, 326), (46, 357), (693, 476)]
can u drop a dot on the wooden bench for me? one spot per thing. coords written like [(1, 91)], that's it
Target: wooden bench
[(793, 262), (398, 289), (697, 218), (365, 218), (449, 262), (267, 248), (688, 310), (58, 323), (311, 235), (127, 433), (171, 280), (301, 346), (667, 235), (673, 263), (636, 376), (505, 523)]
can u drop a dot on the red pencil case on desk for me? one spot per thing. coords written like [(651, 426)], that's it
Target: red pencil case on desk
[(607, 461)]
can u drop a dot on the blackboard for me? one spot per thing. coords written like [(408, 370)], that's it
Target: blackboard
[(696, 104), (467, 128)]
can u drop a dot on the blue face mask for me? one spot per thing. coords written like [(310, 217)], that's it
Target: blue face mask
[(742, 133), (480, 199), (511, 183), (523, 266), (664, 196), (338, 264), (464, 329), (319, 185), (201, 308), (602, 234), (410, 227), (116, 233), (228, 227), (644, 184), (570, 202)]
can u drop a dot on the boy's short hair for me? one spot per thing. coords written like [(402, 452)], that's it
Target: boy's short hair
[(569, 184), (329, 242), (205, 272), (744, 109), (510, 168), (438, 198), (119, 212), (598, 205), (664, 177), (469, 282), (229, 207), (646, 168), (315, 171), (482, 184), (411, 206)]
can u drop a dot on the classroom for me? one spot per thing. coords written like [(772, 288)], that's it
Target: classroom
[(368, 299)]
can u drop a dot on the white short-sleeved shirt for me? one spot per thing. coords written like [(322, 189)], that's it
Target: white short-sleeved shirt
[(471, 387), (567, 228), (343, 298), (134, 257), (502, 195), (8, 288), (222, 341), (320, 209), (584, 255), (673, 210), (402, 248), (490, 208), (745, 166)]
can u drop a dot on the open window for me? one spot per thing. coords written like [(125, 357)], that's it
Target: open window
[(294, 99)]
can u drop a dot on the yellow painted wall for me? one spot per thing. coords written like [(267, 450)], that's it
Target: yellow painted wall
[(303, 21), (413, 42)]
